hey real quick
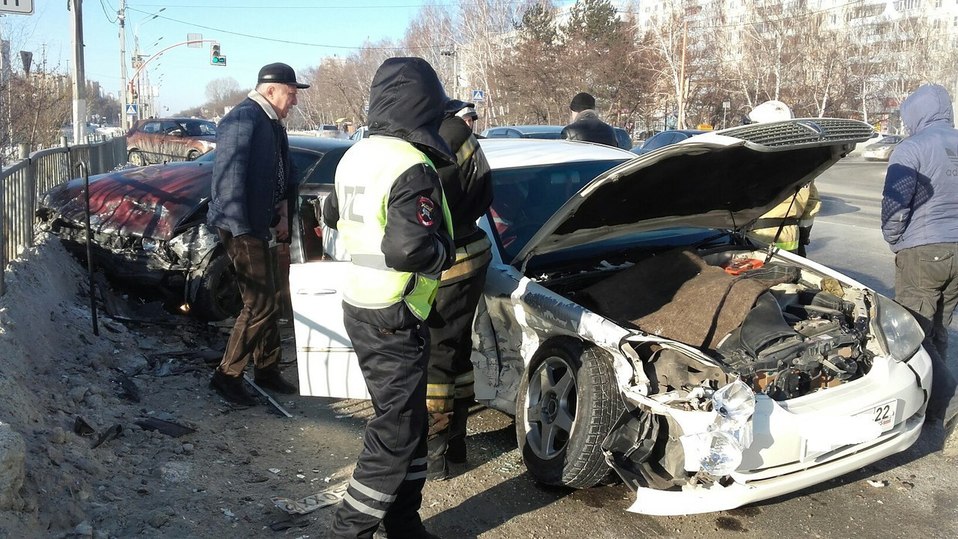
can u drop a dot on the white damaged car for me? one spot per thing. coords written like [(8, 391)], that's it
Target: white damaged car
[(635, 332)]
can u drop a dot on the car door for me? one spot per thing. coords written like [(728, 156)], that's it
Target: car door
[(327, 363)]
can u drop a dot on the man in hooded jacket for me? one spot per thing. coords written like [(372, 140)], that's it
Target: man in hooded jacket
[(919, 220), (391, 216)]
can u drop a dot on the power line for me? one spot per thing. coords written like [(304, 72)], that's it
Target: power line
[(275, 40), (105, 13)]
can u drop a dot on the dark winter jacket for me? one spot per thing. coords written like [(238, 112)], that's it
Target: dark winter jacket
[(406, 101), (589, 128), (249, 149), (920, 198), (468, 183)]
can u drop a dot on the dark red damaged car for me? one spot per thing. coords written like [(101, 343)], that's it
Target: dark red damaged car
[(148, 225)]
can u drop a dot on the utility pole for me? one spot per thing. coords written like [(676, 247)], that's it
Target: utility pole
[(79, 76), (121, 17)]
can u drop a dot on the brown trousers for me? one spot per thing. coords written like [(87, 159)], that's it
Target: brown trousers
[(255, 334)]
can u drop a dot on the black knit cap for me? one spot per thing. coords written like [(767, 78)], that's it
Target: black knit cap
[(582, 101)]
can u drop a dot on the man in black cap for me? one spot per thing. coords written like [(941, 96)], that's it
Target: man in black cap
[(586, 125), (253, 196)]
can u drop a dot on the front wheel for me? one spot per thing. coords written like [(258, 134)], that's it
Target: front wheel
[(136, 157), (216, 296), (567, 404)]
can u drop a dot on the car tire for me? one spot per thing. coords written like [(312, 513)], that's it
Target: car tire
[(566, 405), (192, 155), (136, 157), (216, 296)]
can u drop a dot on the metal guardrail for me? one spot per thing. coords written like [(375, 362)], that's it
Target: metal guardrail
[(22, 183)]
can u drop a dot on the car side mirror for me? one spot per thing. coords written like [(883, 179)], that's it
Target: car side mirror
[(177, 133)]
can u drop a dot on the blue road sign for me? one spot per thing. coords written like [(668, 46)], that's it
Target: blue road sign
[(131, 108), (478, 96)]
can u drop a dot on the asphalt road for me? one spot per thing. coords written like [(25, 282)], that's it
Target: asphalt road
[(908, 495)]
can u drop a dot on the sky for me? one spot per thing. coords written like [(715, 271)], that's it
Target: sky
[(251, 34)]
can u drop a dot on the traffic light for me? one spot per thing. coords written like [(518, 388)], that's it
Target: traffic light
[(216, 58)]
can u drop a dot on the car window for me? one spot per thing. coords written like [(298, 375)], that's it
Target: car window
[(197, 128), (546, 135), (325, 170), (151, 127), (525, 198), (303, 163)]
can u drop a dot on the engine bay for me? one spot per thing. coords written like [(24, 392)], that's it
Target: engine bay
[(781, 328)]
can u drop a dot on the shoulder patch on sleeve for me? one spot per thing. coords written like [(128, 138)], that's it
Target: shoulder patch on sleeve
[(426, 210)]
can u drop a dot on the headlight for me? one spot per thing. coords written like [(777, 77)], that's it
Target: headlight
[(149, 245), (731, 433), (900, 332)]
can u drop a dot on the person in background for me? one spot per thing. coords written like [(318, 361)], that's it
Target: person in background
[(393, 221), (919, 220), (252, 199), (585, 123), (789, 224), (467, 184), (468, 115)]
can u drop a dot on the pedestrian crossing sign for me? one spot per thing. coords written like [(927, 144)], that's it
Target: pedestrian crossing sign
[(131, 108), (478, 96)]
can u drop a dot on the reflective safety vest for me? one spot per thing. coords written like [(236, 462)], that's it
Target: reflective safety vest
[(364, 179)]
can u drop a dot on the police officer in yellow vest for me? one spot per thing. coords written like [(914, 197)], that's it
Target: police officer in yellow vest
[(392, 219)]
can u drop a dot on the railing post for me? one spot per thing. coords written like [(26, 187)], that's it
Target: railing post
[(3, 230), (31, 193)]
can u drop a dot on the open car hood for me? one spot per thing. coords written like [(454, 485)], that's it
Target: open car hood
[(141, 201), (721, 179)]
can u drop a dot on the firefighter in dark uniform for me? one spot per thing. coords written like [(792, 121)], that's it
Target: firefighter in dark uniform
[(391, 216), (449, 393)]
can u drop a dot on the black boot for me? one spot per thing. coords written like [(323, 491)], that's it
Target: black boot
[(232, 389), (456, 450), (437, 469)]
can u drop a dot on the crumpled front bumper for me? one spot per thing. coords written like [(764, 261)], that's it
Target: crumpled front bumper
[(781, 459)]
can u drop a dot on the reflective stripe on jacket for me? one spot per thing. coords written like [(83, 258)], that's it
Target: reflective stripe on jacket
[(363, 187)]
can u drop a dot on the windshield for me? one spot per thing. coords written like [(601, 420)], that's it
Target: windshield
[(526, 197)]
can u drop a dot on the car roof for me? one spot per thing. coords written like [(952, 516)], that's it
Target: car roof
[(530, 128), (319, 144), (529, 152)]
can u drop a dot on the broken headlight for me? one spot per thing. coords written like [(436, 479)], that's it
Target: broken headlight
[(900, 332), (731, 433)]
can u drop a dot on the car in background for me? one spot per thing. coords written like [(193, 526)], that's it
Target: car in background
[(160, 140), (881, 149), (548, 132), (359, 133), (665, 138), (149, 226), (551, 132), (635, 331), (331, 131)]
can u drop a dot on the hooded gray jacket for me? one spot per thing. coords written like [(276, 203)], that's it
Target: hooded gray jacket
[(920, 198)]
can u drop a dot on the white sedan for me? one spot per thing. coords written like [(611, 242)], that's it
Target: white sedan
[(635, 333)]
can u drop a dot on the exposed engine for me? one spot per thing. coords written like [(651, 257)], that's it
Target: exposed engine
[(787, 351), (783, 330)]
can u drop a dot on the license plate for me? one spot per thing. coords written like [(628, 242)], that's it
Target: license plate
[(883, 414)]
